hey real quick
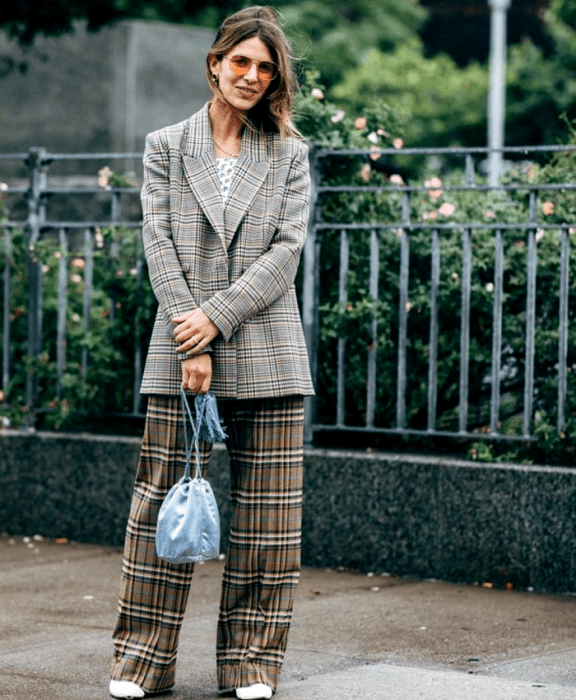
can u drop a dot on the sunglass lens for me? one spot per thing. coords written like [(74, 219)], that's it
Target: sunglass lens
[(239, 65)]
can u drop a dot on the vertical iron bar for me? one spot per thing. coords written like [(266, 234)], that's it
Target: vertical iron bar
[(465, 311), (115, 208), (497, 330), (465, 329), (530, 319), (469, 177), (403, 314), (372, 349), (34, 327), (114, 252), (433, 345), (36, 163), (87, 302), (342, 300), (311, 289), (6, 313), (62, 304), (563, 328)]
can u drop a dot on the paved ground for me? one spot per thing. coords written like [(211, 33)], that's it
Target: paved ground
[(354, 636)]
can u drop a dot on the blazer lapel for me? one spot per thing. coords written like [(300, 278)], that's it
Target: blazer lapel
[(249, 175), (200, 168), (203, 180)]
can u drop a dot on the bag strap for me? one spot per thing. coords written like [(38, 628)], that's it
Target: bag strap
[(189, 448)]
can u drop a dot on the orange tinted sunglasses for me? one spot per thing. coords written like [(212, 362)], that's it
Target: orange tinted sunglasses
[(241, 65)]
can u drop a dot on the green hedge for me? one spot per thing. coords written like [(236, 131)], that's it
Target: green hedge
[(121, 314), (324, 124)]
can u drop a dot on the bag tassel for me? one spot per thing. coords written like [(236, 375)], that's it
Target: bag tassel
[(207, 420)]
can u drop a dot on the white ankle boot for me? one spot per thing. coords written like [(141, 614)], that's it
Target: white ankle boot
[(258, 691), (125, 689)]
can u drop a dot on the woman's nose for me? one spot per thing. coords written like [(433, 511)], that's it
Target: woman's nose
[(252, 74)]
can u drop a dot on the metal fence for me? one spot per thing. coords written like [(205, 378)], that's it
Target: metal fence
[(39, 223), (78, 240), (404, 226)]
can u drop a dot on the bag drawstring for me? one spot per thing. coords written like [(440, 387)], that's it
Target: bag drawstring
[(188, 447), (206, 428)]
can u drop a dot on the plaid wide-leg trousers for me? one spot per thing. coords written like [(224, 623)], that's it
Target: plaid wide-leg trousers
[(265, 444)]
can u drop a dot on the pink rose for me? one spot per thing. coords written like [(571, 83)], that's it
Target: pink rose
[(365, 172), (104, 177), (375, 152), (447, 209)]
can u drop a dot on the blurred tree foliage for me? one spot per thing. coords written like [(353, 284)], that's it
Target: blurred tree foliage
[(333, 37), (461, 28), (445, 104), (565, 10), (439, 102), (24, 20)]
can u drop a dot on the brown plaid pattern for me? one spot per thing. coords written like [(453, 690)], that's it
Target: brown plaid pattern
[(238, 263), (263, 562)]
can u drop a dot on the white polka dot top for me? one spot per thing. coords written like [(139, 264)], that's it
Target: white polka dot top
[(225, 168)]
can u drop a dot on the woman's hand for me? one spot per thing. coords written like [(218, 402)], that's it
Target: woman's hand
[(197, 373), (194, 332)]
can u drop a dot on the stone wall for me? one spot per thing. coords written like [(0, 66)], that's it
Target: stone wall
[(103, 91), (407, 515)]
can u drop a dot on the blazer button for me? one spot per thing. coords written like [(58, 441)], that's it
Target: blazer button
[(185, 268)]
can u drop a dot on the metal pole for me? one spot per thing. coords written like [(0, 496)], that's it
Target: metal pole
[(6, 314), (497, 91), (310, 290), (37, 164)]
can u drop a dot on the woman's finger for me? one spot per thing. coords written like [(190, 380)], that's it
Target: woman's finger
[(191, 346), (205, 386), (184, 334)]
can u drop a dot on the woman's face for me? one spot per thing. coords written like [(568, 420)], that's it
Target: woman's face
[(243, 90)]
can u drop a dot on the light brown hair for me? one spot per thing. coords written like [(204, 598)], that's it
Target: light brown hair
[(273, 113)]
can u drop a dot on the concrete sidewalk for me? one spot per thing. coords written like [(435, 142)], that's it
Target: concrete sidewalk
[(354, 636)]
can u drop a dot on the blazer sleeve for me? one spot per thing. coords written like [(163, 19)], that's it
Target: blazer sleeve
[(272, 275), (166, 275)]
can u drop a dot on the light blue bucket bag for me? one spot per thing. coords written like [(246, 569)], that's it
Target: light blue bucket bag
[(188, 528)]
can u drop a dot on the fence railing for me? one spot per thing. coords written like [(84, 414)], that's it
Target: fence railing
[(403, 225), (45, 206), (331, 359)]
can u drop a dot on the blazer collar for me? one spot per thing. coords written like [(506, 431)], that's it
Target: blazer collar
[(200, 167)]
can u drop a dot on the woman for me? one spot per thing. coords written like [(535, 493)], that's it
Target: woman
[(225, 201)]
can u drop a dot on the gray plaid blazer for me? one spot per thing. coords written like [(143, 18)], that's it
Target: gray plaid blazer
[(237, 263)]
